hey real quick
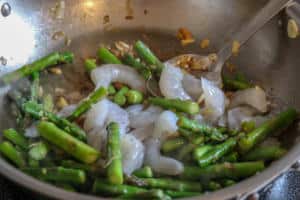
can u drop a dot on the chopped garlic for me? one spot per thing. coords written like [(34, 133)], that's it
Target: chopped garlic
[(292, 29), (61, 102), (185, 36), (55, 70), (204, 43), (235, 47)]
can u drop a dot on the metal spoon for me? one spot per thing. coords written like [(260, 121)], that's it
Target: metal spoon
[(241, 36)]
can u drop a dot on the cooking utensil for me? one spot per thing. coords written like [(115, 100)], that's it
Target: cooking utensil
[(32, 30)]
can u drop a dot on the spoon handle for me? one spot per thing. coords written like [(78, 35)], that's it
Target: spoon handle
[(272, 8)]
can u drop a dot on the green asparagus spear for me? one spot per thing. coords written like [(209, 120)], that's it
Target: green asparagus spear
[(194, 126), (171, 184), (90, 64), (86, 104), (33, 163), (185, 152), (104, 188), (120, 97), (71, 145), (199, 152), (35, 86), (211, 186), (93, 169), (248, 126), (107, 57), (39, 65), (58, 174), (234, 84), (111, 90), (38, 151), (16, 138), (224, 170), (145, 172), (179, 105), (48, 103), (37, 111), (194, 138), (265, 153), (227, 182), (213, 155), (134, 97), (172, 145), (179, 194), (114, 169), (232, 157), (151, 194), (10, 152), (282, 120), (148, 56), (138, 65)]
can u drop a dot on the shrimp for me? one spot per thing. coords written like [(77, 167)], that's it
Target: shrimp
[(141, 118), (165, 126), (132, 153), (106, 74), (143, 133), (99, 116), (239, 115)]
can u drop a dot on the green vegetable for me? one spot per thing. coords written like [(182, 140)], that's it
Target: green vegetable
[(35, 86), (248, 126), (211, 132), (151, 194), (48, 103), (148, 56), (134, 97), (172, 145), (120, 97), (227, 182), (111, 90), (71, 145), (37, 111), (180, 194), (199, 152), (232, 157), (10, 152), (16, 138), (107, 57), (138, 65), (218, 151), (39, 65), (58, 174), (235, 84), (86, 104), (212, 186), (282, 120), (193, 138), (264, 153), (225, 170), (114, 156), (145, 172), (179, 105), (38, 151), (90, 64)]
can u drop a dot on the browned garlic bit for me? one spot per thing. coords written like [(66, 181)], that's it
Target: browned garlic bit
[(188, 62), (123, 48), (213, 57), (61, 102), (292, 29), (185, 36), (55, 70), (235, 47), (204, 43)]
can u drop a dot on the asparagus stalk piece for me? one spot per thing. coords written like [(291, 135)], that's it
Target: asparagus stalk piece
[(281, 121), (111, 90), (185, 152), (211, 132), (39, 65), (224, 170), (232, 157), (48, 103), (265, 153), (218, 151), (38, 151), (211, 186), (107, 57), (90, 64), (199, 152), (234, 84), (37, 111), (148, 56), (105, 188), (120, 97), (93, 169), (151, 194), (86, 104), (71, 145), (179, 194), (193, 138), (227, 182), (171, 184), (172, 145), (138, 65), (35, 86), (10, 152), (114, 169), (58, 174), (134, 97), (179, 105), (33, 163), (16, 138), (145, 172)]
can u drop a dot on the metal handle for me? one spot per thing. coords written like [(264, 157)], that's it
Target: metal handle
[(272, 8)]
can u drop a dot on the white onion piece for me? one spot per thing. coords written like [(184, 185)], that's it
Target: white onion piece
[(159, 163), (132, 153), (214, 100), (254, 97), (165, 125)]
